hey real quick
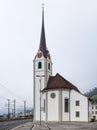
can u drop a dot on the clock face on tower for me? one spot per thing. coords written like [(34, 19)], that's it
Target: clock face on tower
[(39, 55), (49, 56)]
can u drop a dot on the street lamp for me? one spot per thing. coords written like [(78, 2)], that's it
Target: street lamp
[(40, 76)]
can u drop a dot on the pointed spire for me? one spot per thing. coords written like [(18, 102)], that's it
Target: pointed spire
[(42, 46), (43, 13)]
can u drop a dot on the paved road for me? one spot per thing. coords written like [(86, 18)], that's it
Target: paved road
[(10, 124), (66, 126), (73, 126), (53, 126)]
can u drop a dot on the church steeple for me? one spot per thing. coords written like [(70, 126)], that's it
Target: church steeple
[(42, 46), (42, 66)]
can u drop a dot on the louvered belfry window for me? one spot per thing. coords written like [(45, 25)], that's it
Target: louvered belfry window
[(39, 65)]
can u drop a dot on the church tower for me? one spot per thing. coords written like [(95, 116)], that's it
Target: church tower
[(42, 70)]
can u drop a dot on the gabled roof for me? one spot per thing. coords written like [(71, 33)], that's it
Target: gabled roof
[(42, 46), (58, 82)]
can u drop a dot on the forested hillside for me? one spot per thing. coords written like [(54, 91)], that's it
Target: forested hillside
[(94, 97), (91, 92)]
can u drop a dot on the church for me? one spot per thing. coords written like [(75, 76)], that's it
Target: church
[(55, 98)]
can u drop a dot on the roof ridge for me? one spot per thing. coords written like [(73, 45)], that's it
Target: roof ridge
[(59, 82)]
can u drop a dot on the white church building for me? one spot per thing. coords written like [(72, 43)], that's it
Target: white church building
[(55, 98)]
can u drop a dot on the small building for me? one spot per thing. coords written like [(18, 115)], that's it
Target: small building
[(1, 117), (94, 109)]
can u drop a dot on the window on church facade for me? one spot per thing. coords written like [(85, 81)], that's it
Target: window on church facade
[(53, 95), (77, 103), (44, 105), (49, 66), (66, 105), (77, 114), (39, 65)]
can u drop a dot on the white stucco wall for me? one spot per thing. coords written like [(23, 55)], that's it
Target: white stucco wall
[(53, 106), (42, 110), (40, 71), (37, 96), (82, 108), (73, 96)]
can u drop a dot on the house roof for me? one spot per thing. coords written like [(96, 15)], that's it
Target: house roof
[(42, 46), (58, 82)]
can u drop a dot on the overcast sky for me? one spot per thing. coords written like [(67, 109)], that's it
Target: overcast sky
[(71, 37)]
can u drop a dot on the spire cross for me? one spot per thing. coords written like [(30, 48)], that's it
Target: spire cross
[(42, 5), (43, 14), (43, 9)]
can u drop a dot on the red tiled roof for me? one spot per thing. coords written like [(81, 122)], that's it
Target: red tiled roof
[(58, 82)]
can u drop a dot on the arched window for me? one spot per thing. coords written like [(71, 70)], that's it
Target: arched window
[(66, 105), (39, 65)]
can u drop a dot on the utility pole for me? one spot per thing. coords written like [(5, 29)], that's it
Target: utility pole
[(40, 76), (8, 108), (14, 107), (12, 114), (24, 108)]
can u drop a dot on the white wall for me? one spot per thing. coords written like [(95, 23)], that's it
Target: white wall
[(73, 96), (82, 108), (40, 71), (53, 106), (42, 110), (37, 86)]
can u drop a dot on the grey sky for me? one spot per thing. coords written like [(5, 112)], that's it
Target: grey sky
[(71, 37)]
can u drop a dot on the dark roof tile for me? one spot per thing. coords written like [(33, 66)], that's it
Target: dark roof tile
[(58, 82)]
